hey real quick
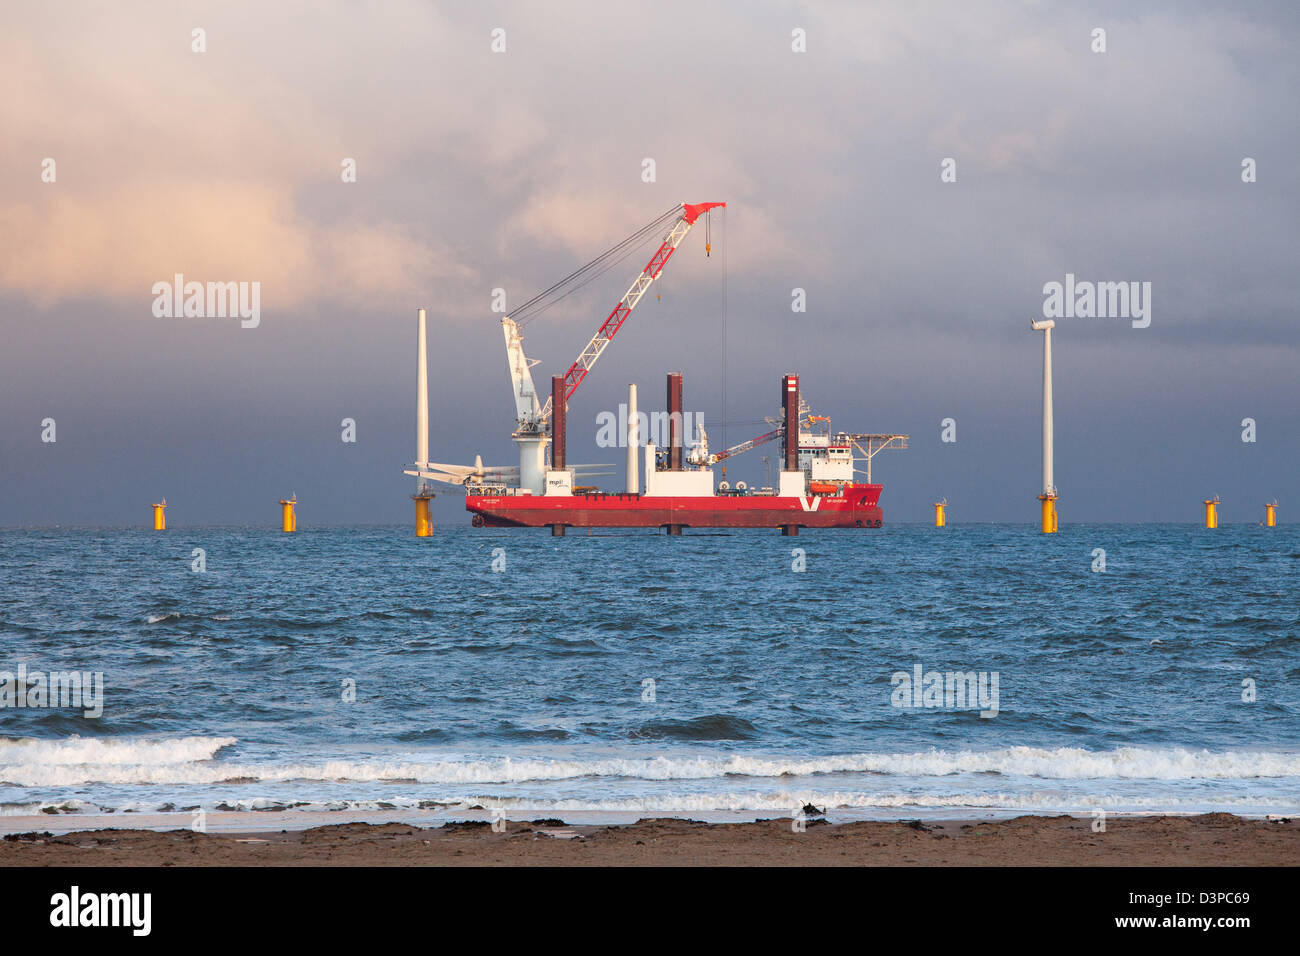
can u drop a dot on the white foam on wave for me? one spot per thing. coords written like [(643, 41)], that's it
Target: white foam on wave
[(49, 807), (787, 800), (190, 760), (105, 752), (782, 802)]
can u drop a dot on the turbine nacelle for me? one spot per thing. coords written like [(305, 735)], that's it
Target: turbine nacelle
[(1043, 325)]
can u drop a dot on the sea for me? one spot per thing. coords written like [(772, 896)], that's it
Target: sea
[(897, 673)]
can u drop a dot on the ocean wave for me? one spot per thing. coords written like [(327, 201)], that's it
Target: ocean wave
[(189, 760), (77, 751), (783, 802), (50, 807), (710, 727)]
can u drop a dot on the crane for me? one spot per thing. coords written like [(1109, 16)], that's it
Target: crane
[(764, 438), (532, 416), (745, 446)]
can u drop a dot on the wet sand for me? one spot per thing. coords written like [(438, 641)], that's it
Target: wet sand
[(1210, 840)]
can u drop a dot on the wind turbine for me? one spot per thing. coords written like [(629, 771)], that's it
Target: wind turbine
[(1048, 497), (423, 493)]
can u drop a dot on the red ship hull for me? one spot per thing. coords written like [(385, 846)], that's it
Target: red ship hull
[(856, 506)]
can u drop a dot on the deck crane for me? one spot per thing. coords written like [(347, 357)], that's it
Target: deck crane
[(707, 460), (867, 444), (744, 446), (531, 416)]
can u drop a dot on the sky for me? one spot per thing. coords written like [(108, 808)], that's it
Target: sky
[(480, 169)]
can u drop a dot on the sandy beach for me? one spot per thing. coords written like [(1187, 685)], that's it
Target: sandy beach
[(1209, 840)]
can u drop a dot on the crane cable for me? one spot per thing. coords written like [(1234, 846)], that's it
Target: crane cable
[(601, 264), (709, 235), (637, 236), (534, 313)]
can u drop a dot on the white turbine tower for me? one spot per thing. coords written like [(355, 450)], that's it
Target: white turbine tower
[(633, 441), (423, 494), (1048, 497), (421, 399)]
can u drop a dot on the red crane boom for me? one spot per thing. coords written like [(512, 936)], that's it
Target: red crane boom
[(691, 212)]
